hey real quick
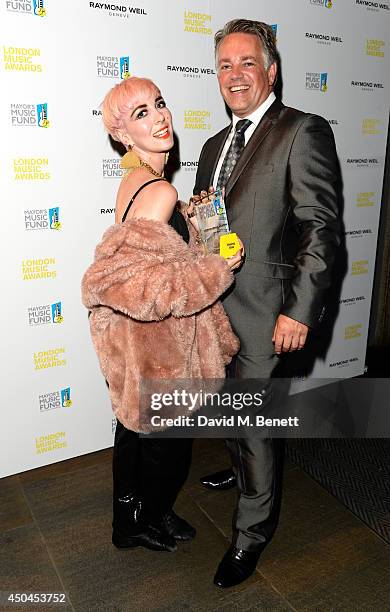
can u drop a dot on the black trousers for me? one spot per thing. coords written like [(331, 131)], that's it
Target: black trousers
[(154, 468)]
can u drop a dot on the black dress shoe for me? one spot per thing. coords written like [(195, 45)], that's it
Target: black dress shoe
[(177, 527), (150, 537), (220, 481), (236, 566)]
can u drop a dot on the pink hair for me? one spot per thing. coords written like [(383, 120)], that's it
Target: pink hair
[(122, 98)]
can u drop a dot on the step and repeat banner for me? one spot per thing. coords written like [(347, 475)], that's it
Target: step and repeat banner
[(59, 175)]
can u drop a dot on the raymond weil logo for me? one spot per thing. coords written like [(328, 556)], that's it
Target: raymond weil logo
[(358, 233), (27, 7), (55, 399), (365, 199), (373, 6), (111, 168), (45, 315), (367, 85), (199, 23), (323, 38), (113, 67), (189, 165), (363, 162), (22, 59), (107, 211), (29, 115), (117, 10), (317, 81), (197, 119), (31, 169), (50, 442), (194, 72), (374, 47), (351, 301), (343, 363), (42, 219)]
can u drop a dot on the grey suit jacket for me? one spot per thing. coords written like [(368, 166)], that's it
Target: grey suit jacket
[(283, 200)]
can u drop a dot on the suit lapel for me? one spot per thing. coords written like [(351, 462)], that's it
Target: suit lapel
[(263, 129), (217, 150)]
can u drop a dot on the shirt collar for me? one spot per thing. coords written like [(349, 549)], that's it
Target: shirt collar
[(258, 114)]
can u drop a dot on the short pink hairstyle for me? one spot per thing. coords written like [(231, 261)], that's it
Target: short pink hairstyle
[(122, 98)]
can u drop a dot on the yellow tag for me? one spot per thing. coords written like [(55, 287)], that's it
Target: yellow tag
[(228, 245)]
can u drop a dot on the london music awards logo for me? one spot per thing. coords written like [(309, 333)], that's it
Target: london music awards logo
[(322, 3), (371, 127), (197, 119), (27, 7), (359, 267), (198, 23), (45, 315), (373, 6), (37, 269), (51, 358), (324, 39), (117, 10), (374, 47), (317, 81), (50, 442), (55, 400), (42, 219), (365, 199), (29, 115), (192, 72), (22, 59), (113, 67), (353, 331), (111, 168), (31, 169)]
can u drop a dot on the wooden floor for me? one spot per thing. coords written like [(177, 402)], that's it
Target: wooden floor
[(55, 525)]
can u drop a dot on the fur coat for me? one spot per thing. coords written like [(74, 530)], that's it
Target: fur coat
[(154, 312)]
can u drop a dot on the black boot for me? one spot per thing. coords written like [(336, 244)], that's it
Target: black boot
[(219, 481), (130, 530), (177, 527)]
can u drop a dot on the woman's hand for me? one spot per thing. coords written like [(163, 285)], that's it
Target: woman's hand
[(236, 260), (203, 196)]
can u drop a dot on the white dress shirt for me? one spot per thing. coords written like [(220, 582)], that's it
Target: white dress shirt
[(255, 117)]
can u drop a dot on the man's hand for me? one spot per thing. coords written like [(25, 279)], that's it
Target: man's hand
[(289, 335)]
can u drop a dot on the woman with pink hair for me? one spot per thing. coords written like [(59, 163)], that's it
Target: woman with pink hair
[(154, 314)]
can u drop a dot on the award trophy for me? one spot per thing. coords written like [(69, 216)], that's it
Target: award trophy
[(213, 226)]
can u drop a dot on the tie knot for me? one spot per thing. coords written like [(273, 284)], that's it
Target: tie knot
[(242, 125)]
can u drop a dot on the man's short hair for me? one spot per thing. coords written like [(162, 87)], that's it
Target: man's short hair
[(262, 30)]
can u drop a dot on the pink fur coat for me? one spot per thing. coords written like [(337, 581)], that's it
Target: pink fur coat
[(154, 311)]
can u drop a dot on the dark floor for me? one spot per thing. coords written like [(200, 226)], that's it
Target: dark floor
[(55, 537)]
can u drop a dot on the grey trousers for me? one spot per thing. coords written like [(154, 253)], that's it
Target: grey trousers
[(258, 466)]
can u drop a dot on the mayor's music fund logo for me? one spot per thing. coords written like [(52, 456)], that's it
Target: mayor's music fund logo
[(197, 119), (45, 315), (42, 219), (111, 168), (322, 3), (55, 399), (113, 67), (36, 8), (123, 11), (22, 59), (29, 115), (198, 23), (317, 81)]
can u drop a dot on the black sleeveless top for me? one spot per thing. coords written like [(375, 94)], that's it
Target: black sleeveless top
[(176, 221)]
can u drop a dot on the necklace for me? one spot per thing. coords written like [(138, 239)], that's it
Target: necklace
[(132, 162)]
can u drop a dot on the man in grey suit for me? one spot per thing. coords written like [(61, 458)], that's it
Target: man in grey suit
[(280, 171)]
